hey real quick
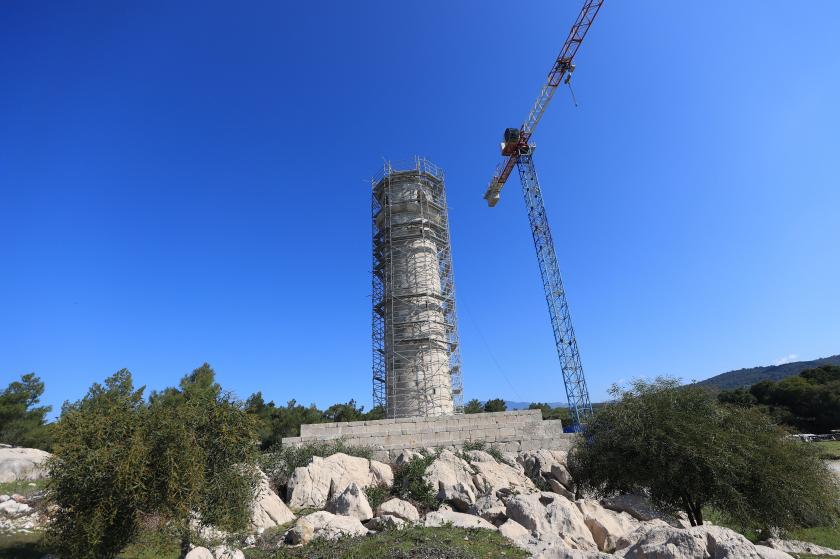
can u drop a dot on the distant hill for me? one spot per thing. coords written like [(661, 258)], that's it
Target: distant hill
[(748, 377)]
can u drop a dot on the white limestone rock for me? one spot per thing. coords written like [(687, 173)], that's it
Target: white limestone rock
[(438, 518), (491, 476), (310, 485), (386, 522), (406, 456), (607, 526), (14, 509), (770, 553), (559, 550), (400, 509), (514, 531), (548, 515), (199, 553), (227, 552), (560, 489), (561, 474), (22, 464), (640, 508), (490, 508), (479, 456), (323, 524), (268, 509), (452, 477), (351, 502), (662, 541)]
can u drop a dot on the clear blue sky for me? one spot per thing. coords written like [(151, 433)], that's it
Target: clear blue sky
[(189, 181)]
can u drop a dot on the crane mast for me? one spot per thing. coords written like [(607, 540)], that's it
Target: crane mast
[(518, 150)]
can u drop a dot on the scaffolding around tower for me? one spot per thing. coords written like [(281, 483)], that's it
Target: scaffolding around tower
[(416, 353)]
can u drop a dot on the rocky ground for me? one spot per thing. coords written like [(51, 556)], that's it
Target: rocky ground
[(526, 497)]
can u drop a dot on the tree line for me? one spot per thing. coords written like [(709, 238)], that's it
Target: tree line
[(808, 402)]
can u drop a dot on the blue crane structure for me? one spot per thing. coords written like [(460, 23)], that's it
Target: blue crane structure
[(518, 150)]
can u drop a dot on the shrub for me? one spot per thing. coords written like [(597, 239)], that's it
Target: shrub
[(410, 485), (377, 494)]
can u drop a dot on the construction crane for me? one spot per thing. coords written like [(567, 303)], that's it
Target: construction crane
[(518, 150)]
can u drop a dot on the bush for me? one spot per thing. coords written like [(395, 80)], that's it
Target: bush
[(189, 453), (377, 494), (686, 451), (280, 463), (410, 485)]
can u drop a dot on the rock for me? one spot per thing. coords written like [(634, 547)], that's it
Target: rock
[(538, 462), (560, 551), (406, 456), (13, 509), (606, 526), (351, 502), (491, 476), (490, 508), (439, 518), (268, 510), (22, 464), (386, 522), (798, 547), (640, 508), (558, 488), (662, 541), (453, 479), (309, 486), (226, 552), (400, 509), (561, 474), (323, 524), (513, 530), (770, 553), (546, 516), (199, 553), (4, 498), (479, 456)]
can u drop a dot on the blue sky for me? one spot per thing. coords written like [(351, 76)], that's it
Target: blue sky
[(189, 181)]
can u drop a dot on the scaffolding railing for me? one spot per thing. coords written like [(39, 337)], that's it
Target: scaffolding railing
[(416, 351)]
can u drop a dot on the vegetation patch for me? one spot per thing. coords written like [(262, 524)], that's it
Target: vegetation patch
[(25, 488), (410, 485), (829, 450), (410, 543)]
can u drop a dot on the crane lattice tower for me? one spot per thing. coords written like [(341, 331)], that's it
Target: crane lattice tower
[(416, 356)]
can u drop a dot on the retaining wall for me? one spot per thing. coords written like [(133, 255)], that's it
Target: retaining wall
[(510, 431)]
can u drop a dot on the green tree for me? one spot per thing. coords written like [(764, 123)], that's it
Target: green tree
[(686, 451), (98, 470), (497, 404), (474, 406), (188, 453), (561, 412), (22, 421), (345, 412)]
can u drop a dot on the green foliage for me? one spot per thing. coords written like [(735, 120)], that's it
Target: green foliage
[(119, 460), (280, 462), (687, 451), (494, 405), (22, 421), (274, 422), (474, 406), (410, 485), (809, 402), (377, 494), (828, 450), (413, 542), (561, 412)]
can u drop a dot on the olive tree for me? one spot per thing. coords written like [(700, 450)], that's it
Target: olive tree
[(686, 451)]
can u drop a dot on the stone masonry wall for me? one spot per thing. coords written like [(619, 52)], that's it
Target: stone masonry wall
[(510, 431)]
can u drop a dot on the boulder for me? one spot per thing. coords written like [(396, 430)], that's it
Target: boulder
[(268, 510), (406, 456), (513, 530), (538, 462), (799, 547), (561, 474), (640, 508), (770, 553), (452, 477), (323, 524), (400, 509), (491, 476), (490, 508), (199, 553), (607, 526), (560, 489), (547, 515), (479, 456), (310, 485), (14, 509), (438, 518), (351, 502), (22, 464), (561, 551), (662, 541), (386, 522), (227, 552)]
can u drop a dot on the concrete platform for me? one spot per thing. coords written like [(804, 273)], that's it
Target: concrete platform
[(509, 431)]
